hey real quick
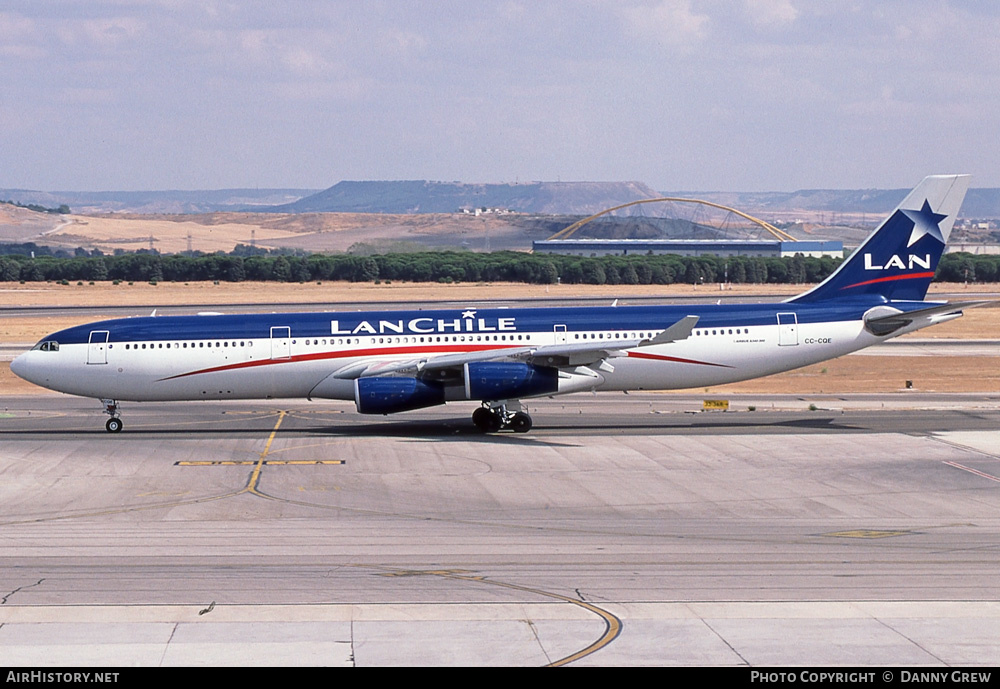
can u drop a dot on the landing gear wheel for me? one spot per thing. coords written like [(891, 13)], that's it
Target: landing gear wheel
[(486, 420), (114, 424), (520, 422)]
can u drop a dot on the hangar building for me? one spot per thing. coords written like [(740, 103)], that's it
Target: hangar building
[(687, 247)]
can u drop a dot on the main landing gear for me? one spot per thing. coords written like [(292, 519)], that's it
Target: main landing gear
[(506, 415), (114, 424)]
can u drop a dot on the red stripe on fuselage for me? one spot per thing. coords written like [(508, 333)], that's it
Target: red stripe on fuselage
[(659, 357), (890, 279), (343, 354)]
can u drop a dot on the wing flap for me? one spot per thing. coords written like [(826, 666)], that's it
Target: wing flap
[(384, 367)]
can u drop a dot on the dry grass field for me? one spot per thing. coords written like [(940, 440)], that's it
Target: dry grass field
[(210, 232), (850, 374), (170, 236)]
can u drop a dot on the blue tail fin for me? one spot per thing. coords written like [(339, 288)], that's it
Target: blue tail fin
[(897, 261)]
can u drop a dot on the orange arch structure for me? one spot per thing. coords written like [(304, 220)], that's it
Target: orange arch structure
[(567, 232)]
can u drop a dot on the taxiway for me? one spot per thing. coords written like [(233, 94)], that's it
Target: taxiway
[(623, 530)]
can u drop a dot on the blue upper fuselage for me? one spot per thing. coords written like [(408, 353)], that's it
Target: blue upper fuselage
[(463, 321)]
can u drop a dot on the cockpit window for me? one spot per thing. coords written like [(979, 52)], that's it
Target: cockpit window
[(47, 346)]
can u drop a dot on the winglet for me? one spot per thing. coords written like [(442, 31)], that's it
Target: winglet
[(681, 330)]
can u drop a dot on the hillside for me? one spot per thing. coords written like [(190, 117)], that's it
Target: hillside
[(19, 225), (310, 232), (405, 197), (418, 214), (201, 201), (580, 198)]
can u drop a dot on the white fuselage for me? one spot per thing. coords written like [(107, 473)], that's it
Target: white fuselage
[(288, 366)]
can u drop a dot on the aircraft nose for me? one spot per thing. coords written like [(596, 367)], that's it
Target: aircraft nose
[(19, 366)]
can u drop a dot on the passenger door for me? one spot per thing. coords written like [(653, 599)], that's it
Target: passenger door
[(97, 347), (281, 342), (788, 329)]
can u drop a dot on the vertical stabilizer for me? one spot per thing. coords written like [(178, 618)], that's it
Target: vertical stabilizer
[(897, 261)]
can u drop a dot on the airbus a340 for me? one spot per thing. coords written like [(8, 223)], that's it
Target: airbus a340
[(395, 361)]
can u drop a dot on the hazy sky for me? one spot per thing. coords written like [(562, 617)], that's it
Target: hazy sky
[(680, 94)]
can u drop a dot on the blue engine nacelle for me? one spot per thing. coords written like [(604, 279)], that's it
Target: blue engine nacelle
[(490, 380), (388, 395)]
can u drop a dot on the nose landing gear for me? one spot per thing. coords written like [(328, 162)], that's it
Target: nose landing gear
[(114, 424)]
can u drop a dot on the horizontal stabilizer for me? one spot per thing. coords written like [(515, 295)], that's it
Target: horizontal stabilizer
[(885, 320)]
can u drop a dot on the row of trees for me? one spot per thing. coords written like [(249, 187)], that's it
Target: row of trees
[(965, 267), (418, 267), (458, 267), (62, 210)]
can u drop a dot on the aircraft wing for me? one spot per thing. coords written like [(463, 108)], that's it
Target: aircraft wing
[(583, 353), (563, 354), (382, 367)]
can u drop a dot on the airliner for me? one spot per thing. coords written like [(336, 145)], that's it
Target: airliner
[(395, 361)]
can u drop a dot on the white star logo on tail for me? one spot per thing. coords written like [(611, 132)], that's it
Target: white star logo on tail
[(925, 221)]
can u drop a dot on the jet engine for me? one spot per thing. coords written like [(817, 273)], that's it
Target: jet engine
[(388, 395), (492, 380)]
